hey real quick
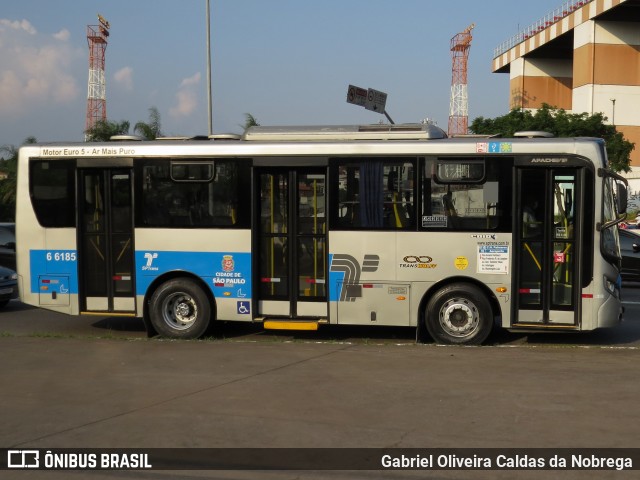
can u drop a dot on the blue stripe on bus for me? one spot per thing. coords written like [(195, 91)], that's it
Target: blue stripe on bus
[(228, 274), (336, 280)]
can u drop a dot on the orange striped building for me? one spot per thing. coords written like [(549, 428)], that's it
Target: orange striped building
[(583, 57)]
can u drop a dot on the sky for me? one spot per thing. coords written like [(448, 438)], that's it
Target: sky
[(286, 62)]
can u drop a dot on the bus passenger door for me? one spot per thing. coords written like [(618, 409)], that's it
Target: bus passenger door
[(548, 238), (105, 243), (291, 241)]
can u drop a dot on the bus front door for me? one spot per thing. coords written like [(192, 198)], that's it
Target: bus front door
[(291, 264), (548, 229), (105, 243)]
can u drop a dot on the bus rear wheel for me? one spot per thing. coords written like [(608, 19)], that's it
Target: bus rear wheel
[(459, 314), (180, 309)]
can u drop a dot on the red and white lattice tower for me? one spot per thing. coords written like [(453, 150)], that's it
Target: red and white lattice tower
[(459, 104), (97, 92)]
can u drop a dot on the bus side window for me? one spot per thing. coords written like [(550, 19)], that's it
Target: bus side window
[(210, 202), (466, 194), (52, 191), (348, 196), (375, 194), (399, 204)]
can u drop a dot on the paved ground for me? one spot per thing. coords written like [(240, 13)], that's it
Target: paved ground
[(102, 393), (70, 382)]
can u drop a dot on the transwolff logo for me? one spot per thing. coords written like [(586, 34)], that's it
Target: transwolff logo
[(418, 261), (150, 257)]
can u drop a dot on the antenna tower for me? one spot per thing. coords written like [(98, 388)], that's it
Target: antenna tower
[(459, 104), (97, 36)]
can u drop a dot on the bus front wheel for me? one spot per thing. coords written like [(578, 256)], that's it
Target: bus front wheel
[(459, 314), (180, 309)]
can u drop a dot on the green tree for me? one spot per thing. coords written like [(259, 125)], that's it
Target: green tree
[(561, 124), (8, 185), (103, 130), (152, 129)]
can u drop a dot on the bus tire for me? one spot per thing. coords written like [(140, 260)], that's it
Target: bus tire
[(459, 314), (180, 309)]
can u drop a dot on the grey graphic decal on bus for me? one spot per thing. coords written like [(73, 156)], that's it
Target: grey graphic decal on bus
[(370, 263), (351, 269)]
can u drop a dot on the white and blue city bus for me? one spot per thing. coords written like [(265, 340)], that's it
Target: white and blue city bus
[(299, 227)]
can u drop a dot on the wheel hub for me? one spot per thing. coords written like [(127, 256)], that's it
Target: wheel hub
[(180, 311), (459, 317)]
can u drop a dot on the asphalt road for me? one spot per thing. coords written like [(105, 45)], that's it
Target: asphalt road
[(100, 383)]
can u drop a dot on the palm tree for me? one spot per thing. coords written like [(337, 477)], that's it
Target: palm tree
[(103, 130), (149, 130), (249, 121)]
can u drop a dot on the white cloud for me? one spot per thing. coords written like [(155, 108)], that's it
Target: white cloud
[(186, 98), (124, 78), (36, 70), (63, 35), (23, 25), (194, 80)]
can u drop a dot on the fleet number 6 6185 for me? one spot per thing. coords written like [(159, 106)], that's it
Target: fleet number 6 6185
[(61, 256)]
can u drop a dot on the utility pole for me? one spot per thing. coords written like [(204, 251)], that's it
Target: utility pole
[(209, 99), (613, 113)]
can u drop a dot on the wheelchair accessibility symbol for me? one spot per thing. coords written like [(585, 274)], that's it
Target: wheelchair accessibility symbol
[(244, 308)]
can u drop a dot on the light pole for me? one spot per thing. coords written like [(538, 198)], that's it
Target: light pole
[(613, 112), (210, 101)]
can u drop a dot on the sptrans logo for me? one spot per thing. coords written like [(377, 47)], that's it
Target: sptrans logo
[(150, 257)]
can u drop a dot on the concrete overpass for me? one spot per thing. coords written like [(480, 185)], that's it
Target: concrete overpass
[(582, 57)]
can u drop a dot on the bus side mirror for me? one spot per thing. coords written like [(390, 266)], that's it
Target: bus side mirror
[(621, 197)]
